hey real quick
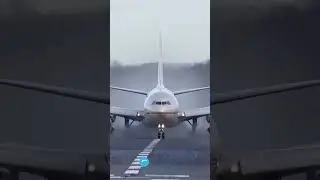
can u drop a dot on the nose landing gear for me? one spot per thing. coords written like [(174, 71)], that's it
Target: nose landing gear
[(161, 131)]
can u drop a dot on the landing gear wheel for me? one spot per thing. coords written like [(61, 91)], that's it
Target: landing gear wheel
[(111, 129), (208, 118), (112, 118), (161, 131), (126, 122), (208, 129), (194, 124)]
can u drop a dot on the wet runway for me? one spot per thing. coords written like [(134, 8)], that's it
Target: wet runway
[(180, 156)]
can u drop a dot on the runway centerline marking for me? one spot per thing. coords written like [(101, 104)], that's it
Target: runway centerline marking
[(135, 167)]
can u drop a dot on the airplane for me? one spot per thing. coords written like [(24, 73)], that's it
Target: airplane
[(161, 108), (60, 164)]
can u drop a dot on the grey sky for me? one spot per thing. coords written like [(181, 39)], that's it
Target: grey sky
[(135, 27)]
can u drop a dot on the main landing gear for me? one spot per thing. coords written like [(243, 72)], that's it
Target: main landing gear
[(112, 120), (161, 131), (194, 124), (127, 122), (208, 118)]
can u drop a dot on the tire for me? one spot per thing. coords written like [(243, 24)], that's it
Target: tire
[(162, 136)]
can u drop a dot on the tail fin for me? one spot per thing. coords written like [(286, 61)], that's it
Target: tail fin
[(160, 64)]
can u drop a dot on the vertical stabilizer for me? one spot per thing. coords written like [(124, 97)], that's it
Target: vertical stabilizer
[(160, 64)]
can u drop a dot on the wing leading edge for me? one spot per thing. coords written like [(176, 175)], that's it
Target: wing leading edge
[(190, 90), (256, 92), (129, 90), (66, 92), (218, 98)]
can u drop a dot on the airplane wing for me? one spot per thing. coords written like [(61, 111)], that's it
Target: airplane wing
[(135, 115), (256, 92), (104, 98), (66, 92), (129, 90), (192, 113), (52, 163), (190, 90)]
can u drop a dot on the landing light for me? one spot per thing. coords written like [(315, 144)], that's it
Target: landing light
[(162, 126), (138, 114)]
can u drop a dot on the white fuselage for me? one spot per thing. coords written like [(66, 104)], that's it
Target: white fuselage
[(161, 107)]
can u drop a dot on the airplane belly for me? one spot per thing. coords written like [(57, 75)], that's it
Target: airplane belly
[(153, 119)]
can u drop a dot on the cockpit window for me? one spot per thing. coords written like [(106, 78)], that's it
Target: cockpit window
[(161, 103), (156, 102)]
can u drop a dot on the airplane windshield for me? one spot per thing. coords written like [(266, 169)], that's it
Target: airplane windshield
[(161, 103), (156, 103)]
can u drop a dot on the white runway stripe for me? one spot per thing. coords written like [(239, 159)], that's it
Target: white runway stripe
[(135, 167), (144, 152), (115, 177), (129, 172), (167, 175), (141, 156), (135, 164), (147, 150), (112, 176)]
